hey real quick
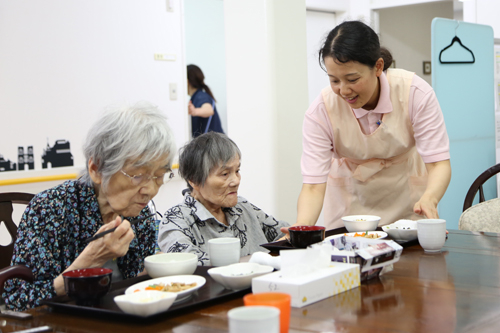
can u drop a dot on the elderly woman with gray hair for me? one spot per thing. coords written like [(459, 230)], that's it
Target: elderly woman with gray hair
[(129, 153), (210, 164)]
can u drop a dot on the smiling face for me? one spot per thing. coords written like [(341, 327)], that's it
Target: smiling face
[(356, 83), (221, 187), (121, 197)]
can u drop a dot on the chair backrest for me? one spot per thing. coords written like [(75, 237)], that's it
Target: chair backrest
[(481, 217), (6, 208), (477, 185)]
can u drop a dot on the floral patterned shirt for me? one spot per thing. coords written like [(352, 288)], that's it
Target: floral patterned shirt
[(52, 234), (188, 227)]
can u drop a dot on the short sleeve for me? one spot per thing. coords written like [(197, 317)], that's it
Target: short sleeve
[(317, 143), (201, 98), (431, 138)]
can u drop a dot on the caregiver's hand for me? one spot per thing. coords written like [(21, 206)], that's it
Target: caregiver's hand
[(286, 232), (426, 207)]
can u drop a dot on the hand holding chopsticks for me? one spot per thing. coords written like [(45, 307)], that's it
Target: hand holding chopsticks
[(101, 234)]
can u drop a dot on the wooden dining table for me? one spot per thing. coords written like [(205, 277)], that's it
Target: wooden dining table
[(456, 290)]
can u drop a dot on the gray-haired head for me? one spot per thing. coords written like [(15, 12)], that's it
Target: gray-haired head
[(204, 154), (137, 134)]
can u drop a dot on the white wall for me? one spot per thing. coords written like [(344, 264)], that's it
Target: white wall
[(319, 24), (267, 97), (483, 12), (63, 62), (406, 32), (205, 46)]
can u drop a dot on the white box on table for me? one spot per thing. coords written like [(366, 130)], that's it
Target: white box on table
[(312, 287), (371, 254)]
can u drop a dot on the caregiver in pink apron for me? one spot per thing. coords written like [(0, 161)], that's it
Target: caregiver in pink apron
[(374, 141)]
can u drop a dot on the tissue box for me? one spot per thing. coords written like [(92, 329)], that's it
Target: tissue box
[(372, 255), (312, 287)]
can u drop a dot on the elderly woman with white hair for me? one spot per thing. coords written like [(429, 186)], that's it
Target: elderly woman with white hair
[(128, 152), (210, 164)]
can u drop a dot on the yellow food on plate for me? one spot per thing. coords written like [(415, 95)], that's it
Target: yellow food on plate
[(365, 235), (173, 287)]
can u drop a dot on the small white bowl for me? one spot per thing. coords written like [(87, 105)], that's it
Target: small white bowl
[(402, 230), (238, 276), (167, 264), (357, 223), (145, 303)]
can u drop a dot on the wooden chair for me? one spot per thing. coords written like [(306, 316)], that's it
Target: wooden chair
[(484, 215), (6, 208), (477, 185)]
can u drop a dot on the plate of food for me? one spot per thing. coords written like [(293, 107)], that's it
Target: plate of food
[(183, 285), (367, 234)]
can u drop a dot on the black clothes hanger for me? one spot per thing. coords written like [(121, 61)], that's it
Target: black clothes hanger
[(456, 39)]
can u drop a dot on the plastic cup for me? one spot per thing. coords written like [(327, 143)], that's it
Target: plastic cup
[(281, 301), (253, 319)]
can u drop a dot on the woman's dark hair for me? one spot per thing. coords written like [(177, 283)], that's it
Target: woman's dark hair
[(196, 79), (354, 41), (203, 154)]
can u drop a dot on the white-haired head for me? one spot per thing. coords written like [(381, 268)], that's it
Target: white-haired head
[(137, 134)]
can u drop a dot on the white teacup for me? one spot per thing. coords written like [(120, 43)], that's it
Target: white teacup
[(224, 251), (431, 234), (252, 319)]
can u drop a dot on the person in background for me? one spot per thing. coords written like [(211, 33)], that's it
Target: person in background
[(210, 164), (129, 153), (204, 116), (374, 141)]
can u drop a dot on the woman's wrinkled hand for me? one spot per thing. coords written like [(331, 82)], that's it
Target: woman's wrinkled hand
[(112, 245)]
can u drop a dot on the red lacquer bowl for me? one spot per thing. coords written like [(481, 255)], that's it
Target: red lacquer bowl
[(302, 236), (86, 286)]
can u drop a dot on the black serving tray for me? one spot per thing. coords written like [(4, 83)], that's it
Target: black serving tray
[(285, 245), (211, 293)]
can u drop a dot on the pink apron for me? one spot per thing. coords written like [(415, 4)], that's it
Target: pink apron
[(376, 174)]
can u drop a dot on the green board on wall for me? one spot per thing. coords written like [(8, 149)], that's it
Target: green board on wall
[(465, 91)]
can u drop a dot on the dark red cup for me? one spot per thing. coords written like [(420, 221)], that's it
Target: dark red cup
[(302, 236)]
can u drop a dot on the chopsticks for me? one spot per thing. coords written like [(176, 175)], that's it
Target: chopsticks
[(101, 234)]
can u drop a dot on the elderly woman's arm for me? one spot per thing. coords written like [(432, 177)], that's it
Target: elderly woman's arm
[(271, 227), (98, 252), (40, 230), (175, 234), (51, 240)]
